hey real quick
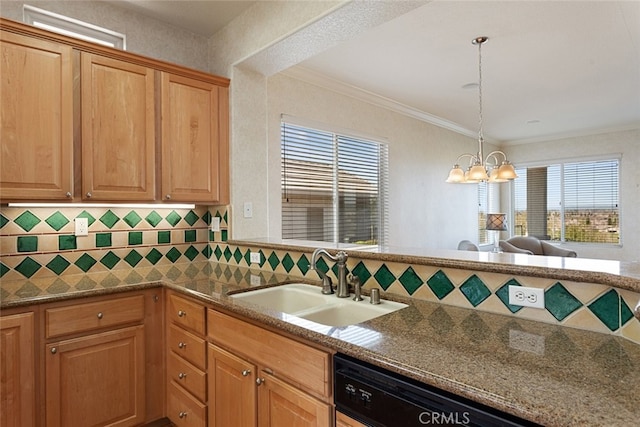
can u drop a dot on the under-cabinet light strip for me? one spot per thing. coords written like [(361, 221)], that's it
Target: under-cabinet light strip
[(103, 205)]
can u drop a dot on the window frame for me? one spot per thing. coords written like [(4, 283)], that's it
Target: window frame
[(562, 162)]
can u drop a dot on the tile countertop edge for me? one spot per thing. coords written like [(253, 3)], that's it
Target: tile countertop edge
[(618, 274)]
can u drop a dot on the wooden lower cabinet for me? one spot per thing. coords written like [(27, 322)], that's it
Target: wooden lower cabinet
[(97, 379), (256, 378), (343, 420), (17, 370)]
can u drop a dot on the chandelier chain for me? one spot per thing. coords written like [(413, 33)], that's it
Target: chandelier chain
[(480, 130)]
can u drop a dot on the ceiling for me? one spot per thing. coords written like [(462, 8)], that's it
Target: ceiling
[(550, 68)]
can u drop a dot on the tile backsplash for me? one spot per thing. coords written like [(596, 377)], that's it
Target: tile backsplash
[(40, 242)]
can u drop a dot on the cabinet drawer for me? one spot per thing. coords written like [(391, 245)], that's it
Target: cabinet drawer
[(185, 313), (188, 376), (187, 345), (300, 364), (183, 409), (95, 315)]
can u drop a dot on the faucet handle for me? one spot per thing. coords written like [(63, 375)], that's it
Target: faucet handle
[(357, 286), (327, 285)]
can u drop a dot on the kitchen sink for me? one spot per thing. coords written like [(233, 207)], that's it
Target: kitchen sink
[(306, 301)]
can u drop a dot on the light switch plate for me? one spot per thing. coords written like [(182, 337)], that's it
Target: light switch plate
[(215, 223)]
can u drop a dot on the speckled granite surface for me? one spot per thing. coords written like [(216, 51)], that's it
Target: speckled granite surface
[(549, 374)]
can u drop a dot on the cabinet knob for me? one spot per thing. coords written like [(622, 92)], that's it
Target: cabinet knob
[(168, 197), (182, 313), (89, 195), (100, 315), (246, 372), (68, 194), (54, 350), (259, 381), (182, 345), (182, 414), (182, 375)]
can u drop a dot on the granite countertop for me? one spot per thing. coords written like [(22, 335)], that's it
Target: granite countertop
[(548, 374)]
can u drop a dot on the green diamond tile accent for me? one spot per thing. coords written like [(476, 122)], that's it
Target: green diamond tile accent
[(559, 302), (153, 218), (58, 264), (57, 221), (3, 269), (207, 251), (503, 295), (3, 221), (227, 254), (410, 280), (85, 262), (287, 262), (303, 263), (224, 216), (135, 237), (224, 235), (611, 309), (67, 242), (88, 216), (247, 257), (173, 218), (154, 256), (110, 260), (133, 258), (475, 290), (189, 236), (321, 265), (217, 252), (384, 277), (27, 220), (212, 236), (207, 218), (440, 284), (164, 237), (28, 267), (191, 218), (273, 260), (132, 219), (109, 219), (27, 243), (362, 272), (103, 240), (191, 253), (173, 254)]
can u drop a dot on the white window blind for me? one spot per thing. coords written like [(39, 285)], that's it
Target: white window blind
[(575, 201), (334, 187)]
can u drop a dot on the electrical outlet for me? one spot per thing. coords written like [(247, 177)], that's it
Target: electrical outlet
[(82, 226), (254, 257), (215, 223), (526, 297), (255, 280)]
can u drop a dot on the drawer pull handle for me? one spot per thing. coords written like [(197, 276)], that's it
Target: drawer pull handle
[(182, 414), (259, 381), (246, 372), (89, 195), (182, 375), (168, 197), (68, 194), (182, 313), (182, 345), (54, 350), (100, 315)]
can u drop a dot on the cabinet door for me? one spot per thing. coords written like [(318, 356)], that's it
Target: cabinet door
[(96, 380), (283, 405), (344, 421), (232, 390), (17, 365), (36, 119), (194, 140), (118, 130)]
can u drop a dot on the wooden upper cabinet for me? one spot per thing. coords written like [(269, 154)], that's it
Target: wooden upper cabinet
[(195, 147), (36, 119), (118, 130)]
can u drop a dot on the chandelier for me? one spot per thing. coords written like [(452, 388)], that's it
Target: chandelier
[(494, 167)]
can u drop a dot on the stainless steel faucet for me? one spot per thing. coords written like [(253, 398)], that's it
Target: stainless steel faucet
[(341, 259)]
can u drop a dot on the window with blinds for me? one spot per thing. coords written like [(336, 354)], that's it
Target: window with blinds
[(334, 187), (573, 202), (487, 203)]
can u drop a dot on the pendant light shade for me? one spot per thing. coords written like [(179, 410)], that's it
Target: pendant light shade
[(481, 168)]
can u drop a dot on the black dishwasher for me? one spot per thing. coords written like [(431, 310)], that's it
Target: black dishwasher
[(381, 398)]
